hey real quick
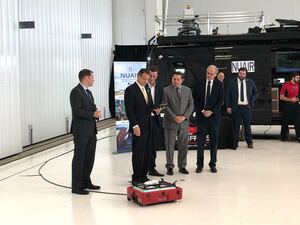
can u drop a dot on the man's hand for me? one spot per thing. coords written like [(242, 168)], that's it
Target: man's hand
[(97, 114), (137, 131), (207, 113), (179, 119), (157, 110), (294, 99), (229, 110)]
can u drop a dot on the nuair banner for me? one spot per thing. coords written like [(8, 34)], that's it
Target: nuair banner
[(124, 75)]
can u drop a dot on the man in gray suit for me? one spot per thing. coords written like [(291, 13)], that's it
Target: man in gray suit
[(176, 121)]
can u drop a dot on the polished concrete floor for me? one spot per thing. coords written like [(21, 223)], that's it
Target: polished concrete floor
[(259, 186)]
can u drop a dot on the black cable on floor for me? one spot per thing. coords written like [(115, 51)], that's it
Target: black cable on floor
[(63, 186), (267, 130)]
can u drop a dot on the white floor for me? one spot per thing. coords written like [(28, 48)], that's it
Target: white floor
[(260, 186)]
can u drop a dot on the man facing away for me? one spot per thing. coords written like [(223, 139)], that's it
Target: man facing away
[(84, 116)]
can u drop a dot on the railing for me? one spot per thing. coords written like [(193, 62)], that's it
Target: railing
[(209, 19)]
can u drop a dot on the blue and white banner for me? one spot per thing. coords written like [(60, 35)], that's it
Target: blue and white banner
[(124, 75)]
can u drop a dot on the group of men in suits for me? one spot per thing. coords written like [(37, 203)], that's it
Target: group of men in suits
[(143, 103)]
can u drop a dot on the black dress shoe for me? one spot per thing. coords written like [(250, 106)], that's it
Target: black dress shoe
[(283, 139), (154, 172), (170, 171), (92, 187), (183, 170), (80, 192), (213, 170), (199, 170), (250, 146), (145, 179)]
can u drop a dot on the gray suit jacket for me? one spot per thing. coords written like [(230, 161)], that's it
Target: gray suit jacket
[(176, 107)]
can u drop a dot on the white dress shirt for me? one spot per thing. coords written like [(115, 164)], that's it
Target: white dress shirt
[(245, 102)]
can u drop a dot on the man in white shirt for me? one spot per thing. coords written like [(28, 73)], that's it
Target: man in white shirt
[(240, 97)]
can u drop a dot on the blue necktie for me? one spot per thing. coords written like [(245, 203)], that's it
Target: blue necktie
[(89, 93)]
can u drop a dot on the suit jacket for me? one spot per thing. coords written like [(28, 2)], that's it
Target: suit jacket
[(137, 110), (83, 108), (176, 107), (232, 93), (215, 99), (158, 96)]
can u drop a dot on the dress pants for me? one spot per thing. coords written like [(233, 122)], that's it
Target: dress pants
[(242, 114), (83, 160), (155, 137), (170, 138), (291, 113), (208, 126), (141, 152)]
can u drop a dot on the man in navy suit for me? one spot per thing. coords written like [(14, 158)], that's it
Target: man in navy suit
[(84, 116), (138, 106), (208, 99), (157, 94), (240, 97)]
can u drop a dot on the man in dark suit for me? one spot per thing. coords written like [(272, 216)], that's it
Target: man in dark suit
[(240, 97), (157, 94), (84, 116), (208, 98), (138, 105)]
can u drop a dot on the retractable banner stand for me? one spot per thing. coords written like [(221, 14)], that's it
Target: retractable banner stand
[(124, 75)]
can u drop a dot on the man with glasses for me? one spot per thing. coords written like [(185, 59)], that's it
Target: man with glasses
[(208, 97)]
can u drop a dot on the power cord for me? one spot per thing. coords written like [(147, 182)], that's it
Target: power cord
[(53, 183), (63, 186), (267, 130)]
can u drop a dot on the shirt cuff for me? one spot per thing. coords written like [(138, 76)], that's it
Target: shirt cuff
[(135, 126)]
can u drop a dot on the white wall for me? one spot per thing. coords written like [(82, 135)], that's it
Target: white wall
[(129, 22), (41, 65), (96, 53), (10, 125)]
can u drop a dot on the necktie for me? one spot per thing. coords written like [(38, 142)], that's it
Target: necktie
[(207, 92), (242, 91), (145, 95), (178, 93), (89, 93)]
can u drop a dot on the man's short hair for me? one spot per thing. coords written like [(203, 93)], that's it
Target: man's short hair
[(143, 70), (295, 74), (177, 73), (83, 73), (153, 69), (243, 69)]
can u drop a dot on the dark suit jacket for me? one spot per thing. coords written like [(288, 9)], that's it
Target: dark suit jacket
[(158, 96), (137, 111), (232, 93), (215, 100), (83, 108)]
